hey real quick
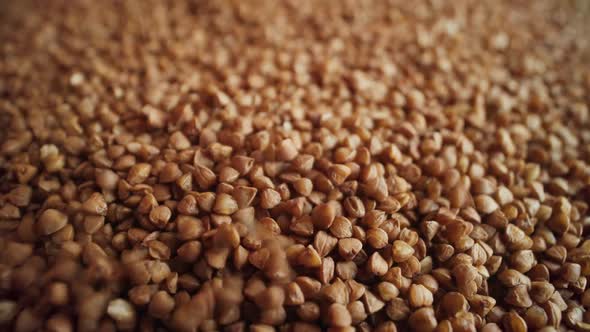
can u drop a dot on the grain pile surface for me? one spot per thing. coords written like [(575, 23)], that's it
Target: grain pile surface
[(294, 165)]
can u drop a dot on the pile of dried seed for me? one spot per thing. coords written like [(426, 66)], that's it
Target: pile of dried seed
[(295, 165)]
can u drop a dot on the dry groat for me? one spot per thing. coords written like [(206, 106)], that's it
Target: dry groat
[(304, 166)]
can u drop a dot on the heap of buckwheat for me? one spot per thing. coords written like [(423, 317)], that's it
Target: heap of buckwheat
[(296, 165)]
